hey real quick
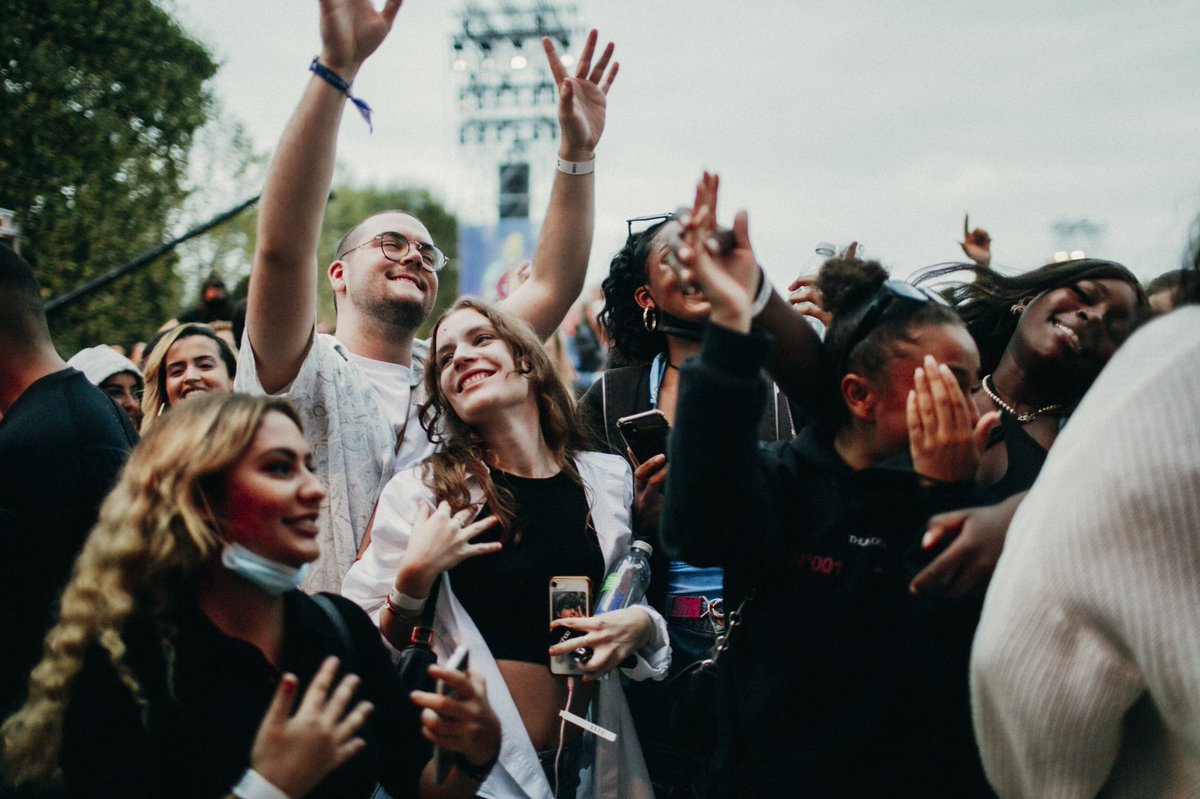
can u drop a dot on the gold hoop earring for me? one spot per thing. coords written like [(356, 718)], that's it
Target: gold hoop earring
[(650, 318), (1018, 308)]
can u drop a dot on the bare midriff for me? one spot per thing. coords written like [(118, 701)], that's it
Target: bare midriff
[(539, 695)]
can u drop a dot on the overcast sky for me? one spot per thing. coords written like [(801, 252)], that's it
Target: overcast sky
[(830, 120)]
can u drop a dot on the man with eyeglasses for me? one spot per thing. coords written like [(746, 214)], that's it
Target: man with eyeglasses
[(358, 393)]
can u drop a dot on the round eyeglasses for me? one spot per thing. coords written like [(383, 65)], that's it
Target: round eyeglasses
[(395, 246)]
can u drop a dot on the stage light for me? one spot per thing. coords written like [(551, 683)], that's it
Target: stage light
[(519, 62)]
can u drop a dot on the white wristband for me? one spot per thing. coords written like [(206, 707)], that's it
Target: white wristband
[(405, 603), (253, 785), (764, 294), (575, 167)]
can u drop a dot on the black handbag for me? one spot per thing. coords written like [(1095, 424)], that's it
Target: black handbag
[(412, 669)]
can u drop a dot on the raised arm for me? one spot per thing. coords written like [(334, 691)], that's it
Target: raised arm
[(794, 361), (561, 257), (281, 307)]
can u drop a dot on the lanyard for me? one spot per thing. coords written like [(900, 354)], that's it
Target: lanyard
[(658, 367)]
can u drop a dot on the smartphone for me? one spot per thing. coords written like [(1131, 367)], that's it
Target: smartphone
[(569, 597), (645, 434), (443, 760)]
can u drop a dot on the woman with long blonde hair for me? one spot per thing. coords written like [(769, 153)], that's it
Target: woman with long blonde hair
[(518, 503), (182, 642)]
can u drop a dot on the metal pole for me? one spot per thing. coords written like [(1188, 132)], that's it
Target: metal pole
[(145, 258)]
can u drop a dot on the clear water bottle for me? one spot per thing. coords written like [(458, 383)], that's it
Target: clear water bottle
[(626, 584)]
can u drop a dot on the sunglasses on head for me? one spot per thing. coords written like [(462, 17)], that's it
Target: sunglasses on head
[(891, 292), (646, 222)]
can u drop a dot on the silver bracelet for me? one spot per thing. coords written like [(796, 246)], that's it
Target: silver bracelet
[(575, 167), (764, 293), (253, 785)]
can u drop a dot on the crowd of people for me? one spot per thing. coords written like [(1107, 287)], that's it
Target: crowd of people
[(928, 538)]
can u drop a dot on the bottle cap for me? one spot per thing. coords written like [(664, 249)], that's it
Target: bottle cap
[(644, 546)]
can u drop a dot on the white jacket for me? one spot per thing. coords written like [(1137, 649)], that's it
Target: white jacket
[(619, 770)]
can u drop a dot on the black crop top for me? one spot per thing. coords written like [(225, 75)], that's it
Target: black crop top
[(507, 594)]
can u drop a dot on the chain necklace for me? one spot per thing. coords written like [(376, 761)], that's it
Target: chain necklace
[(1023, 418)]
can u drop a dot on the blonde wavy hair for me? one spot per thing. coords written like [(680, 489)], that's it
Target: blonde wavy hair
[(154, 393), (154, 533), (463, 456)]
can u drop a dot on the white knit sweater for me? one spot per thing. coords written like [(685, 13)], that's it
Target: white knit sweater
[(1085, 675)]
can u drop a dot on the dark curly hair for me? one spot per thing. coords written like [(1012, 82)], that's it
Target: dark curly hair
[(985, 298), (621, 318)]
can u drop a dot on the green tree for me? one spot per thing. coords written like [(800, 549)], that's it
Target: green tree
[(99, 101), (351, 205)]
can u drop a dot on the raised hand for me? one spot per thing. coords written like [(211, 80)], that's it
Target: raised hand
[(730, 280), (440, 540), (612, 637), (463, 722), (582, 99), (976, 244), (296, 752), (807, 299), (351, 30), (945, 433)]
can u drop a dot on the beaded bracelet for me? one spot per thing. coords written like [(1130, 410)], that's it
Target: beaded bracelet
[(336, 81)]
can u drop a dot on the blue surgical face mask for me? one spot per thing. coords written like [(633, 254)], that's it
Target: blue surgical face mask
[(270, 576)]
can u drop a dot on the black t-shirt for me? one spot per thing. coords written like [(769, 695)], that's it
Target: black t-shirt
[(203, 711), (507, 594), (62, 444)]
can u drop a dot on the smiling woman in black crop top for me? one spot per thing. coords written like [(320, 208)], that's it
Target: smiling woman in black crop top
[(517, 503), (556, 539)]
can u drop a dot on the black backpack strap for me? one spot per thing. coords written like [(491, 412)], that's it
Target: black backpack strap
[(343, 630)]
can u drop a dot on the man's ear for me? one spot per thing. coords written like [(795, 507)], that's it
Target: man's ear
[(642, 297), (859, 395), (337, 279)]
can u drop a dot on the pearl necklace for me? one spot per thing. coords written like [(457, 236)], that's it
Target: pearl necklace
[(1010, 410)]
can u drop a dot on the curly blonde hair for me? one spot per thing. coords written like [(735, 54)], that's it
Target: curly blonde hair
[(463, 456), (155, 532)]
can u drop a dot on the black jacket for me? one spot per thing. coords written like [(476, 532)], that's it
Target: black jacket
[(813, 689)]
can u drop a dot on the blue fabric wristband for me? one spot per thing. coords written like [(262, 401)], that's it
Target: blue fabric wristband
[(336, 81)]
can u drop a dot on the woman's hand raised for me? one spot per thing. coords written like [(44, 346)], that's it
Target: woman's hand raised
[(729, 279), (295, 752), (440, 540), (945, 432)]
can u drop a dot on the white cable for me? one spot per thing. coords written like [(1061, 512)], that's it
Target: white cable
[(562, 733)]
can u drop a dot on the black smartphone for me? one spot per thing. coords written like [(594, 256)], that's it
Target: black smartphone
[(645, 434), (443, 760)]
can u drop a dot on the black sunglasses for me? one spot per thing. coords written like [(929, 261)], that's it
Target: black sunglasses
[(887, 295), (649, 222)]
